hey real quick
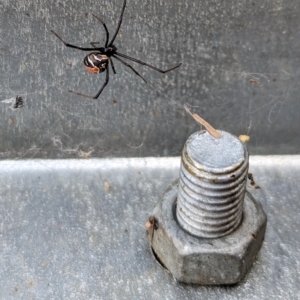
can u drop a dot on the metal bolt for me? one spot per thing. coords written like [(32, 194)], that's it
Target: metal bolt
[(208, 229), (212, 184)]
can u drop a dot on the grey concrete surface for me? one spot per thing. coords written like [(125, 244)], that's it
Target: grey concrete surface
[(75, 229), (240, 71)]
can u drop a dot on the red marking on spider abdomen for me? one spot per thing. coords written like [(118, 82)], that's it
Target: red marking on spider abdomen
[(92, 70)]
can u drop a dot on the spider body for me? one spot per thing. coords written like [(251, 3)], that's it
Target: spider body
[(99, 59), (96, 62)]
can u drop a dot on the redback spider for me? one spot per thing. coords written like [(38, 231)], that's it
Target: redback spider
[(98, 60)]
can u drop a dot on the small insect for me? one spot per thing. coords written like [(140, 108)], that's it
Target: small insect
[(18, 103), (15, 102), (252, 182), (151, 225), (99, 59)]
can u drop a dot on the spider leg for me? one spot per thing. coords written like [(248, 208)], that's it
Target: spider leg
[(112, 65), (104, 25), (127, 65), (70, 45), (145, 64), (119, 25), (98, 94), (104, 84)]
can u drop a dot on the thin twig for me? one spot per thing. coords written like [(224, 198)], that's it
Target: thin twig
[(201, 121)]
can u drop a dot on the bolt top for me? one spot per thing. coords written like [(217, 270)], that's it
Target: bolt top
[(207, 153)]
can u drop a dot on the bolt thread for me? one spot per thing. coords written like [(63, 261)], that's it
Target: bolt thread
[(210, 199)]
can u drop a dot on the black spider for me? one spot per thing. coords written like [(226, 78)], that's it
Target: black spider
[(98, 60)]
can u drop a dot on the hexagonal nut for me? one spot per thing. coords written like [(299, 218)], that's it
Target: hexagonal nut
[(223, 260)]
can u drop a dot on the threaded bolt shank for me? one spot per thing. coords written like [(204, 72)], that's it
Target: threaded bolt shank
[(212, 184)]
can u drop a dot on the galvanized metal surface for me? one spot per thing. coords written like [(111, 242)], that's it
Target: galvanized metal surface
[(240, 72), (74, 229)]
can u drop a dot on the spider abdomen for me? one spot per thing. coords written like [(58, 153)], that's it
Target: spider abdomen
[(96, 62)]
